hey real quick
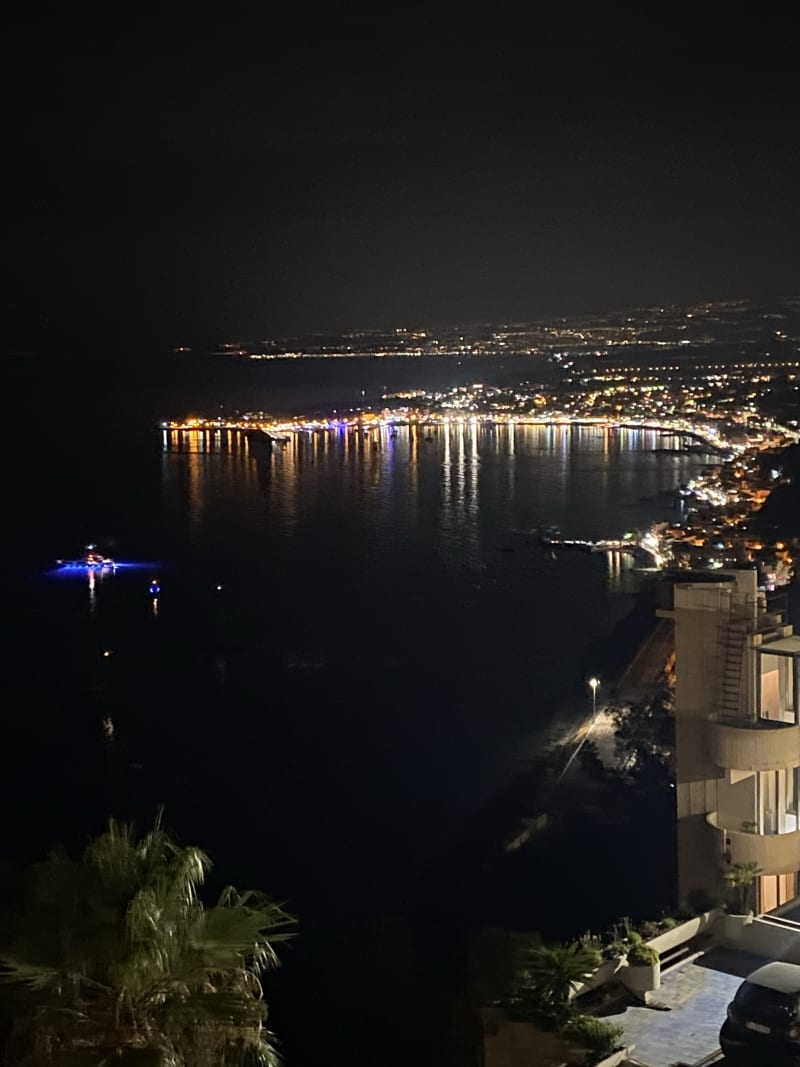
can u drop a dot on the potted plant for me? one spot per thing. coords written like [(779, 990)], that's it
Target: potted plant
[(742, 879), (643, 972), (615, 950), (593, 1038), (551, 973), (650, 929)]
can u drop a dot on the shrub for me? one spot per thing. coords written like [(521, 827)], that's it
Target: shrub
[(669, 922), (615, 949), (552, 972), (591, 940), (649, 929), (538, 981), (595, 1035), (642, 955), (742, 879)]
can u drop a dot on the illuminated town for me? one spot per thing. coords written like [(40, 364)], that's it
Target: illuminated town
[(727, 332), (733, 411)]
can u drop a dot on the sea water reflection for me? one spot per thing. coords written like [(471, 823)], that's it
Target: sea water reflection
[(457, 490)]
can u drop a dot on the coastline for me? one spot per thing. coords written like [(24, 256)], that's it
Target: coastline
[(377, 420)]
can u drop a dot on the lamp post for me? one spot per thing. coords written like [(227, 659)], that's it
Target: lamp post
[(593, 684)]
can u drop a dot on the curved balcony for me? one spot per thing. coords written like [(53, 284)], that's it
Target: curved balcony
[(774, 853), (757, 745)]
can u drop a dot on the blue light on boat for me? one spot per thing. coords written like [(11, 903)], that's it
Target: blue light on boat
[(79, 565), (76, 569)]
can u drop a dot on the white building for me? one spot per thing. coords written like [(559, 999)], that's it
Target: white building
[(737, 710)]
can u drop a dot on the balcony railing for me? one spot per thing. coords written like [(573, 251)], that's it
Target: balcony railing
[(768, 622), (778, 603), (753, 744), (773, 853)]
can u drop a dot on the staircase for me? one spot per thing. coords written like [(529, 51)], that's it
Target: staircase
[(732, 646)]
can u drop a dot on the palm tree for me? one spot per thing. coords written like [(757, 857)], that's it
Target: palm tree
[(549, 974), (742, 878), (115, 957)]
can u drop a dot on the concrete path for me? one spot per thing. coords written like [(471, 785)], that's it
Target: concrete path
[(697, 994)]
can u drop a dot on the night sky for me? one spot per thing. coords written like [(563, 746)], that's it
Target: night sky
[(172, 184)]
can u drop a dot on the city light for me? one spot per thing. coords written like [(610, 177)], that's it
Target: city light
[(704, 411), (594, 684)]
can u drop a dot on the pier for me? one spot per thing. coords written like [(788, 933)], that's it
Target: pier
[(257, 435), (648, 544), (590, 546)]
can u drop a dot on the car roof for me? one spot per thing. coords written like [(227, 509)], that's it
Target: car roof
[(782, 977)]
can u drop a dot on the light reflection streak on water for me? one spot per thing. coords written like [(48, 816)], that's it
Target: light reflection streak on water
[(383, 477), (511, 447), (460, 473), (195, 485), (287, 481), (447, 473), (376, 459), (248, 470), (472, 524), (447, 516), (460, 492), (565, 440), (474, 471), (388, 456), (413, 462), (95, 578), (620, 570), (613, 569)]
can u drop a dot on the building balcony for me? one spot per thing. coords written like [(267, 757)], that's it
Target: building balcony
[(773, 853), (754, 745)]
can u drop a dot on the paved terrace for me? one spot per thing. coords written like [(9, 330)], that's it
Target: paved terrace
[(697, 993)]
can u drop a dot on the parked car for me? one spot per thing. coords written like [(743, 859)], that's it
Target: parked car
[(763, 1024)]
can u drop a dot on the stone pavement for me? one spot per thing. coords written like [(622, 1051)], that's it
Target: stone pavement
[(697, 993)]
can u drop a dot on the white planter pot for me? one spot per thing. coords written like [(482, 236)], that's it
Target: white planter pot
[(641, 979), (733, 927), (604, 973), (683, 932), (618, 1057)]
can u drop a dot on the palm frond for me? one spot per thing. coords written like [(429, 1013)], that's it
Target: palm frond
[(16, 970), (118, 959)]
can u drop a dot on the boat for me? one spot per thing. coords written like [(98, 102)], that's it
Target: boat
[(91, 559)]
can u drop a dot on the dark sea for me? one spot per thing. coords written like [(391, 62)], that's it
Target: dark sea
[(357, 645)]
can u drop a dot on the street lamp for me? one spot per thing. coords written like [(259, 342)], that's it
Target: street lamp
[(593, 683)]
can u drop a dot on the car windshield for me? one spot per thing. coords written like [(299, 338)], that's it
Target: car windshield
[(756, 1003)]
